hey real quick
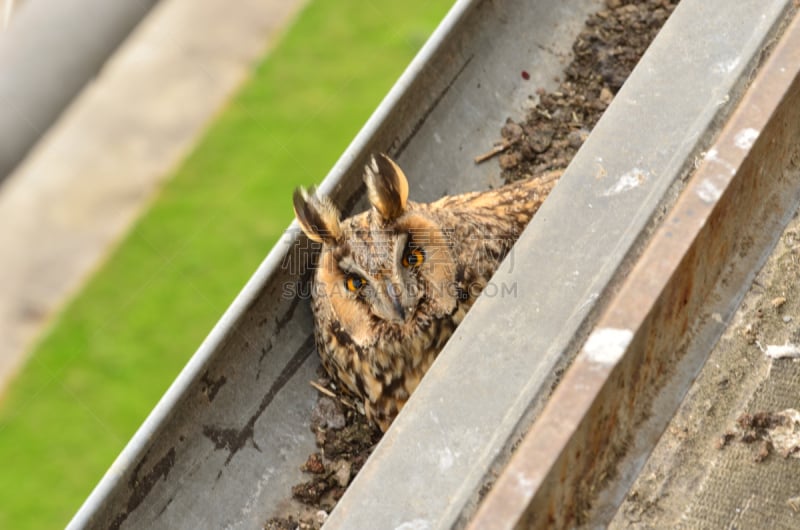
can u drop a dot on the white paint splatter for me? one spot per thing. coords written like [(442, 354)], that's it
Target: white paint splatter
[(630, 180), (446, 459), (791, 351), (606, 345), (708, 191), (437, 137), (416, 524), (726, 67), (525, 484), (745, 138)]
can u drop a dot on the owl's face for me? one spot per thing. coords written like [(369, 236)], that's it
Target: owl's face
[(387, 270)]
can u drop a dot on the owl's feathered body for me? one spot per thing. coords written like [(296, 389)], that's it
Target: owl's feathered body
[(394, 282)]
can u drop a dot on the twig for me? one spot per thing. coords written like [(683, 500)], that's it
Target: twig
[(323, 390), (496, 150), (331, 394), (794, 503)]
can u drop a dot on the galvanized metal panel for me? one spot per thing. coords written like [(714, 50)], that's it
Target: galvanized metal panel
[(222, 447), (234, 423), (499, 367), (578, 460)]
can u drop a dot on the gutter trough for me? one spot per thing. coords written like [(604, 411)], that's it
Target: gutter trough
[(580, 457), (638, 269)]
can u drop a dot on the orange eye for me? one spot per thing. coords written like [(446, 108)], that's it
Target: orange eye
[(414, 257), (354, 283)]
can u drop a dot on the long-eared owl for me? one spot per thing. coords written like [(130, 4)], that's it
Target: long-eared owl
[(392, 283)]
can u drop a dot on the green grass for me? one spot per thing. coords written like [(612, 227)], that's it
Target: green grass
[(113, 352)]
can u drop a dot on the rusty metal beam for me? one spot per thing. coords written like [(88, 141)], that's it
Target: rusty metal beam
[(583, 452)]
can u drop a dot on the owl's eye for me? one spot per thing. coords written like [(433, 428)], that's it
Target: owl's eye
[(414, 257), (354, 283)]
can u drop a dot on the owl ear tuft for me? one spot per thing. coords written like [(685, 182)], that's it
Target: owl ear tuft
[(387, 186), (318, 217)]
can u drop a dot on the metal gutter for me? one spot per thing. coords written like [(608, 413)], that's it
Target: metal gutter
[(233, 426), (578, 460), (498, 370)]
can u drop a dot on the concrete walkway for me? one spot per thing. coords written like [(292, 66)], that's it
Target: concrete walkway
[(96, 169)]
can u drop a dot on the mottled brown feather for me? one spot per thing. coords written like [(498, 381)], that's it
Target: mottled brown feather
[(423, 266)]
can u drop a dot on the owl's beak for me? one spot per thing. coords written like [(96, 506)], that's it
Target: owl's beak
[(394, 295)]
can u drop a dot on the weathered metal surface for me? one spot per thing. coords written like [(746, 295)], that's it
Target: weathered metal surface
[(580, 456), (499, 367), (233, 427)]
